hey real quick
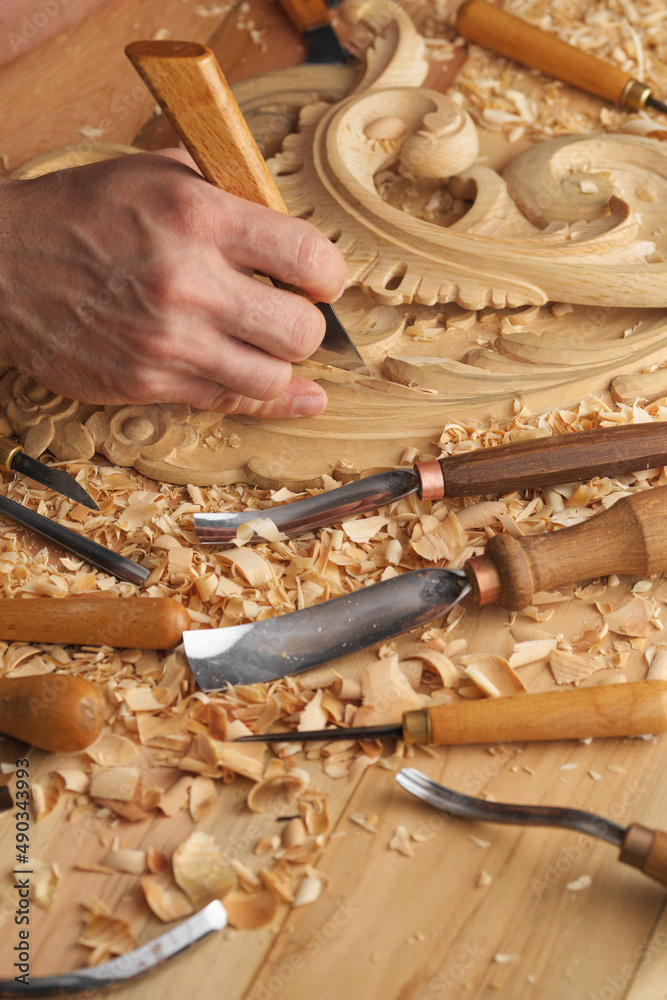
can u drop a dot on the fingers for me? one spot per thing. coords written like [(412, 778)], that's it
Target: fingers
[(301, 398)]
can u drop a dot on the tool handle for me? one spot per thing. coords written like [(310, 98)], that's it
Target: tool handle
[(629, 538), (494, 28), (189, 86), (55, 712), (646, 849), (306, 14), (561, 458), (614, 710), (135, 622)]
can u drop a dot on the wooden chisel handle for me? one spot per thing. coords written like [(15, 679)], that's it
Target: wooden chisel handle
[(646, 849), (490, 26), (561, 458), (134, 622), (630, 537), (55, 712), (306, 14), (615, 710)]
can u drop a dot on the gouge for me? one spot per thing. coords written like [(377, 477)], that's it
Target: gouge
[(14, 459), (311, 18), (563, 458), (189, 86), (640, 846), (492, 27), (616, 710), (55, 712)]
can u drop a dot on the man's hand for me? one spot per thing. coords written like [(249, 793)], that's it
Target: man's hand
[(131, 280)]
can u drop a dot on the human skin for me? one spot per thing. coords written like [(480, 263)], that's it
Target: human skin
[(131, 281)]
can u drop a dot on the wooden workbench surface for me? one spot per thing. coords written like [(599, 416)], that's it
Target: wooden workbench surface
[(477, 910)]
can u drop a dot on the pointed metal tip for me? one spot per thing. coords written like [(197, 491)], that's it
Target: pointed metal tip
[(56, 479), (653, 102)]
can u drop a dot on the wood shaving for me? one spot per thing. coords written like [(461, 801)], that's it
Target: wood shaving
[(401, 842), (492, 674), (571, 668), (251, 911), (201, 869), (578, 884), (44, 883), (104, 934), (635, 618)]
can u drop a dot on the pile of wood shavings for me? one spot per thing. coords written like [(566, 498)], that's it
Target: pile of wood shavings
[(504, 97), (166, 745)]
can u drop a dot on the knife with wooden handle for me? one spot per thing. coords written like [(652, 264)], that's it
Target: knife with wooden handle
[(562, 458), (494, 28), (56, 712), (627, 538), (189, 86)]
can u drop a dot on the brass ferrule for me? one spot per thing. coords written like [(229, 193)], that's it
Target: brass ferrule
[(484, 579), (8, 452), (637, 845), (634, 95), (417, 726), (431, 480)]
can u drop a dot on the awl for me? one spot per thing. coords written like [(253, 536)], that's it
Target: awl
[(496, 29), (615, 710), (14, 459), (627, 538), (189, 86), (559, 459)]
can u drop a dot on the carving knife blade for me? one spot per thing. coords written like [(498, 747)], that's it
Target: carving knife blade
[(14, 459), (188, 84), (542, 461)]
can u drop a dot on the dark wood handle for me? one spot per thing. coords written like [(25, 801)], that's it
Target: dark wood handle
[(306, 14), (616, 710), (55, 712), (495, 29), (141, 622), (562, 458), (646, 849), (630, 537)]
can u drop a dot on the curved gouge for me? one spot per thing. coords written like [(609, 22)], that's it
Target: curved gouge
[(630, 537), (562, 458), (189, 86), (640, 847), (490, 26), (616, 710), (56, 712)]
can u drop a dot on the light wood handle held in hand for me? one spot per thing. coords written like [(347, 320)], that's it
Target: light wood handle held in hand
[(141, 622), (616, 710), (562, 458), (306, 14), (630, 537), (55, 712), (490, 26)]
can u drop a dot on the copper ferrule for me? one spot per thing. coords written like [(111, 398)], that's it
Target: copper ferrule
[(634, 95), (431, 480), (8, 452), (417, 726), (637, 845), (484, 579)]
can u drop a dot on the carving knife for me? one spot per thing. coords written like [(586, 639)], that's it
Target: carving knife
[(580, 713), (559, 459), (14, 459), (311, 18), (189, 86), (496, 29), (627, 538)]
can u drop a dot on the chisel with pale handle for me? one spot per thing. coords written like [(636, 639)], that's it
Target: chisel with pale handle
[(494, 28)]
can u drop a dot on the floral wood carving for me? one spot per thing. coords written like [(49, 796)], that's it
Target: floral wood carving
[(451, 269)]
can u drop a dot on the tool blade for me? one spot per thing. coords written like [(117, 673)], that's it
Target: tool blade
[(326, 735), (56, 479), (324, 47), (265, 650), (337, 349), (316, 511)]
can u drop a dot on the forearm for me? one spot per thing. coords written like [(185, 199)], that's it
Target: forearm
[(25, 24)]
